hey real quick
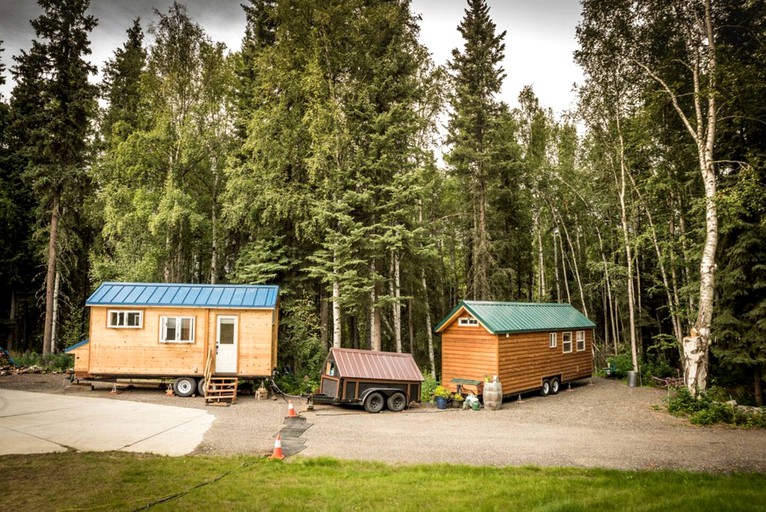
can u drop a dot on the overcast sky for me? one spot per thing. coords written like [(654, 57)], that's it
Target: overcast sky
[(539, 40)]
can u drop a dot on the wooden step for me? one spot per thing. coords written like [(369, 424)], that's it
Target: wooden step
[(221, 390)]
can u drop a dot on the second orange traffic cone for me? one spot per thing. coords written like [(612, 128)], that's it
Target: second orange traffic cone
[(291, 410), (277, 449)]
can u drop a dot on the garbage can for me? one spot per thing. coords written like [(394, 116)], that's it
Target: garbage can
[(633, 379)]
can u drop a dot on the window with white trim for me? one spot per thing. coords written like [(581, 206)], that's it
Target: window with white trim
[(566, 342), (467, 321), (552, 341), (125, 319), (580, 341), (177, 329)]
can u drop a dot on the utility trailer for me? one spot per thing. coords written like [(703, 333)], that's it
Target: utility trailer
[(372, 379)]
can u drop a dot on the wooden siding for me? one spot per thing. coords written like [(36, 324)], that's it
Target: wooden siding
[(81, 359), (138, 352), (520, 361), (468, 352), (525, 359), (255, 341)]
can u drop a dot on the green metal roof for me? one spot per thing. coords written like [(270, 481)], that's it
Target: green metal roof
[(508, 317)]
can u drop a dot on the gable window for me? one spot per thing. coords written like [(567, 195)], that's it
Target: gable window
[(177, 329), (566, 342), (580, 341), (552, 341), (467, 321), (125, 319)]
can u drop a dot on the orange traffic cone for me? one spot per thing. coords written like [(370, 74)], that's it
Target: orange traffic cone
[(291, 410), (114, 389), (277, 449)]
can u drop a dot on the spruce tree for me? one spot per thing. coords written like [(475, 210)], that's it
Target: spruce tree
[(476, 77), (55, 105), (121, 87)]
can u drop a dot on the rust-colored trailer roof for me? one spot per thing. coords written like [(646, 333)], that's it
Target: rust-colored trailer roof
[(370, 364)]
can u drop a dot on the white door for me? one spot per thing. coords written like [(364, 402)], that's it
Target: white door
[(226, 345)]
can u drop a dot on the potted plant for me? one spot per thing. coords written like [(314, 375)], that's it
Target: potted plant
[(441, 394), (457, 400)]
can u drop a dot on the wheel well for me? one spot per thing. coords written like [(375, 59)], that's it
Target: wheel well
[(386, 392)]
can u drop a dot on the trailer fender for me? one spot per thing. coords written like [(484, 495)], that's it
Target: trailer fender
[(386, 392)]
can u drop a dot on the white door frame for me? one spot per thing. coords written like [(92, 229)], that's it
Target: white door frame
[(227, 363)]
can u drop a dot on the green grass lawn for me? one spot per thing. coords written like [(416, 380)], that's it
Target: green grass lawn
[(121, 481)]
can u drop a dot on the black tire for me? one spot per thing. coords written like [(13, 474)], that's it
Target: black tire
[(201, 387), (396, 402), (184, 386), (555, 386), (545, 390), (374, 403)]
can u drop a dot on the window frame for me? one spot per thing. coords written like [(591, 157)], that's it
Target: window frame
[(578, 341), (564, 342), (123, 313), (179, 322), (553, 339), (467, 321)]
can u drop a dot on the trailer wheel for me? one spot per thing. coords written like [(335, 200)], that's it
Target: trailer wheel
[(546, 389), (374, 402), (184, 386), (201, 387), (555, 386), (397, 402)]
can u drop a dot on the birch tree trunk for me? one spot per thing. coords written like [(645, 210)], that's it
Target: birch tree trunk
[(701, 127), (429, 330), (628, 252), (375, 338), (50, 276), (397, 306), (54, 321), (336, 327)]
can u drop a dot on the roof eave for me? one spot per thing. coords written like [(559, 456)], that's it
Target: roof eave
[(455, 313)]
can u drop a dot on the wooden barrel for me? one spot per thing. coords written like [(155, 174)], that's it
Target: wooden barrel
[(493, 395)]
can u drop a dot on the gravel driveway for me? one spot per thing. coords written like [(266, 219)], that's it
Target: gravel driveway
[(599, 424)]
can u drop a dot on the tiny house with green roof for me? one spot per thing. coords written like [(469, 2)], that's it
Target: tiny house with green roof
[(529, 346)]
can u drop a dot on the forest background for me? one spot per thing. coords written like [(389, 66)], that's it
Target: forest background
[(329, 155)]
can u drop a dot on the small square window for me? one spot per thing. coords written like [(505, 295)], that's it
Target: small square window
[(580, 341), (467, 321), (552, 340), (566, 342), (122, 319)]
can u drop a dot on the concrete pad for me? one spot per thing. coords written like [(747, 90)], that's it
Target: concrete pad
[(40, 423)]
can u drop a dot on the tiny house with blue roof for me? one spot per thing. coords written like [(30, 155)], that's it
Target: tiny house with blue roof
[(529, 346), (180, 332)]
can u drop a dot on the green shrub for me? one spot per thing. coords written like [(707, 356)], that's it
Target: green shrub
[(292, 384), (622, 364), (657, 368), (51, 362), (28, 359), (59, 362), (706, 411), (428, 388)]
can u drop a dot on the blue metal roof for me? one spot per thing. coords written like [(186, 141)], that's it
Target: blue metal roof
[(508, 317), (76, 346), (185, 295)]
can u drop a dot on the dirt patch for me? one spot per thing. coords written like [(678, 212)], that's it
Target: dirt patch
[(602, 423)]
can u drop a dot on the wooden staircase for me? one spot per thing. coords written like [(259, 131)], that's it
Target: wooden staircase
[(219, 389)]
